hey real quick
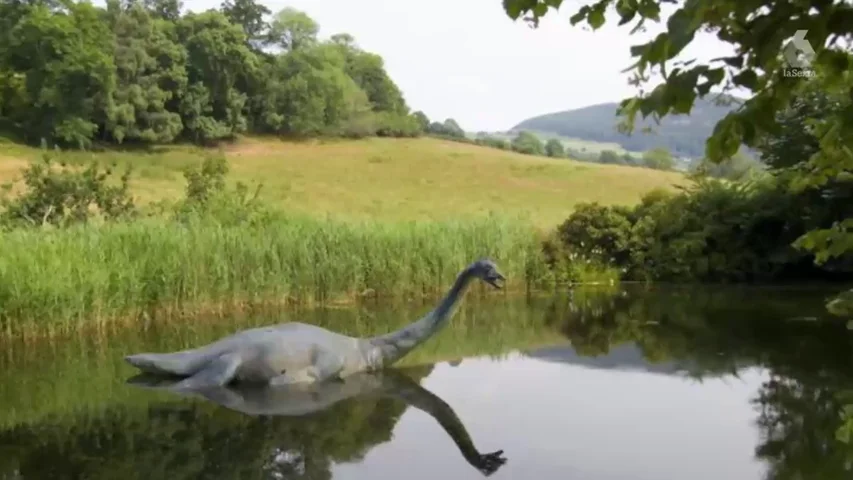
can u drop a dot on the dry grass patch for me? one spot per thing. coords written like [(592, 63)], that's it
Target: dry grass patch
[(385, 179)]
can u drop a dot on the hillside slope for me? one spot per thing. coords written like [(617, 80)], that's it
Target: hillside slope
[(683, 135), (387, 179)]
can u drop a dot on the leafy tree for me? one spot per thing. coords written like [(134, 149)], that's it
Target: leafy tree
[(217, 57), (140, 71), (597, 230), (249, 14), (368, 71), (554, 148), (494, 142), (164, 9), (292, 29), (526, 142), (312, 94), (794, 141), (448, 128), (609, 156), (68, 67), (658, 158), (452, 128), (151, 74), (422, 119)]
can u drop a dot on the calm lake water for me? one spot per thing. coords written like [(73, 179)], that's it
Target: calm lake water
[(600, 384)]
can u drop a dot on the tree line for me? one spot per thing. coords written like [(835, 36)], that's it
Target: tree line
[(528, 143), (141, 72)]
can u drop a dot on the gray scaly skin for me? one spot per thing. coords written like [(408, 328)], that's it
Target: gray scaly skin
[(308, 398), (295, 352)]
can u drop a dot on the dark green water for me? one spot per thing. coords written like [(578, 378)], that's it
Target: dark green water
[(662, 384)]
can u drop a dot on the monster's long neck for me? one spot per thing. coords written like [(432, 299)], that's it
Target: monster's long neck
[(393, 346)]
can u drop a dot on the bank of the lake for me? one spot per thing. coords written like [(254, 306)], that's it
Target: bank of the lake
[(118, 274)]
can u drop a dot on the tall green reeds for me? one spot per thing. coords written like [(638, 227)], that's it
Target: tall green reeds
[(60, 279), (64, 269)]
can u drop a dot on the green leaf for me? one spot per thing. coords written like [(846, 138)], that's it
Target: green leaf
[(649, 9), (736, 61), (638, 50), (627, 10), (715, 75), (626, 18), (703, 88), (749, 132), (746, 78), (513, 8), (596, 18), (684, 101), (658, 51), (580, 15), (681, 30), (725, 140)]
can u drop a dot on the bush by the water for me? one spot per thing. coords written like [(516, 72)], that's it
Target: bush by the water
[(712, 231)]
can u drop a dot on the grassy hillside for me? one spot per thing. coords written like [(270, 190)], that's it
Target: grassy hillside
[(683, 135), (384, 179)]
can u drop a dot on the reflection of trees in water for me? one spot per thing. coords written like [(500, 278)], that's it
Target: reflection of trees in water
[(798, 423), (711, 332), (177, 440)]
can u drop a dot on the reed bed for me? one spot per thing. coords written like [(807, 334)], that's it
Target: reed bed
[(61, 280)]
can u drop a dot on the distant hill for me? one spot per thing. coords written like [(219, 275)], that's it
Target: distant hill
[(683, 135)]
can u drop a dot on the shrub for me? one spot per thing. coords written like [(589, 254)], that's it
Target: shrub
[(712, 231), (66, 196)]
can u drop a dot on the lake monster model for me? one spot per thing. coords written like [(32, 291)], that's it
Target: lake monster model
[(296, 352)]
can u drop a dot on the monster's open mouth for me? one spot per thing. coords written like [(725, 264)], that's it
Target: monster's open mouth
[(496, 280)]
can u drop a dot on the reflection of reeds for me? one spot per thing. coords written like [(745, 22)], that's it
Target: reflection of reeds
[(70, 279), (56, 379)]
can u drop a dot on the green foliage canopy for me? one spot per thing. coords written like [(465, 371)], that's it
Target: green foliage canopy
[(554, 148), (138, 71), (659, 158), (526, 142)]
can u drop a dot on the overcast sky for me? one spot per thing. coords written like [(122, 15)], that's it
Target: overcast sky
[(467, 60)]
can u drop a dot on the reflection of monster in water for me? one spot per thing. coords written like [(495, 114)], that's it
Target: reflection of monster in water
[(307, 399), (172, 438), (196, 440)]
